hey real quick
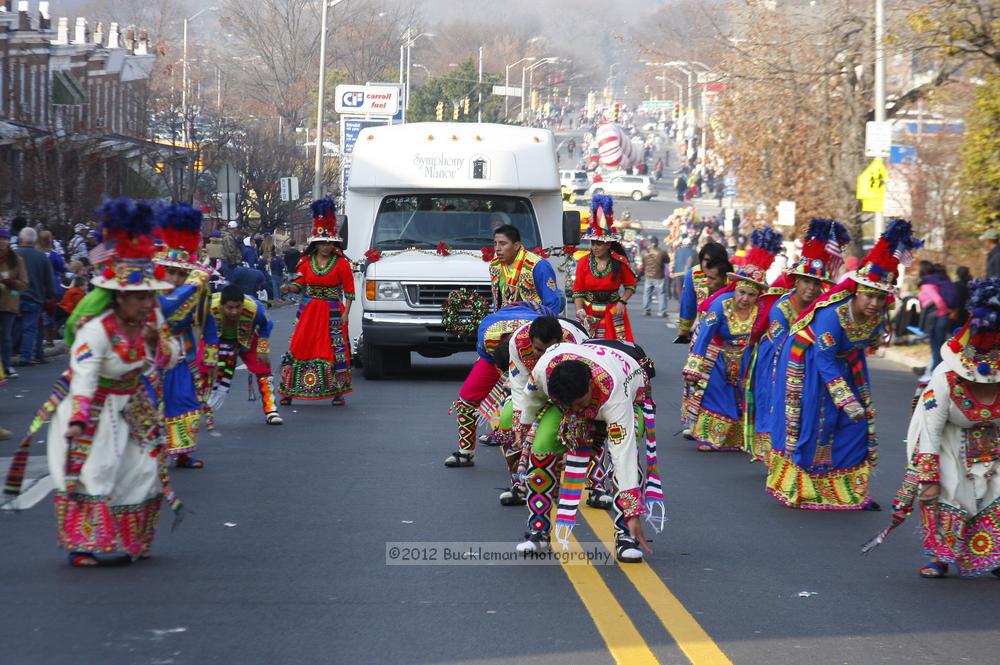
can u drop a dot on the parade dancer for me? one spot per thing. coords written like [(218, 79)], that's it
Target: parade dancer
[(586, 396), (953, 449), (518, 357), (516, 276), (700, 282), (104, 455), (244, 331), (777, 309), (494, 331), (717, 366), (823, 444), (318, 362), (186, 309), (605, 281)]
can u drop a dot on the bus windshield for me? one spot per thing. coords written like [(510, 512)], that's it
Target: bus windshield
[(462, 221)]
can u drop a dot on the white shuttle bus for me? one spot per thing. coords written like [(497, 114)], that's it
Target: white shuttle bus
[(414, 186)]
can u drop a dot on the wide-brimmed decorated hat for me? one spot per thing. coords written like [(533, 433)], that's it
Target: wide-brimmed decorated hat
[(602, 218), (880, 267), (324, 221), (974, 351), (765, 245), (822, 250), (124, 261), (179, 228)]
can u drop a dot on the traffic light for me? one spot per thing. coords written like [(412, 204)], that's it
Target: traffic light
[(440, 111), (616, 111), (454, 114), (534, 100), (465, 105)]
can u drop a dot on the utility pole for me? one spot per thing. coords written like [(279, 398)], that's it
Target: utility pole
[(878, 223), (479, 116), (318, 164)]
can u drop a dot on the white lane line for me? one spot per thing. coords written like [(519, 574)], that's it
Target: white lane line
[(37, 481)]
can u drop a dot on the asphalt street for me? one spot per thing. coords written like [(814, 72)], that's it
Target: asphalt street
[(284, 559)]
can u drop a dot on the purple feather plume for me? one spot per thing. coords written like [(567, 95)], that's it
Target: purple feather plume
[(984, 304), (604, 202), (179, 217), (321, 207), (899, 234), (126, 215), (766, 238)]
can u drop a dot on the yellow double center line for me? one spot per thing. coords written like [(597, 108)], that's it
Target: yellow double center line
[(623, 640)]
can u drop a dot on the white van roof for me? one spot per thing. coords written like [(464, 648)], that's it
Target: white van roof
[(454, 156)]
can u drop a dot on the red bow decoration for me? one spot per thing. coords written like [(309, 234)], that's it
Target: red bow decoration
[(489, 253), (569, 250), (442, 248), (541, 252), (373, 255)]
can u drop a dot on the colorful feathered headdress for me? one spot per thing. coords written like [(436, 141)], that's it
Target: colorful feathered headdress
[(974, 351), (179, 227), (602, 219), (124, 259), (324, 221), (765, 245), (822, 250), (880, 267)]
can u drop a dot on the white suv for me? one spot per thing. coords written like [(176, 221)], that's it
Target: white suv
[(575, 181), (637, 187)]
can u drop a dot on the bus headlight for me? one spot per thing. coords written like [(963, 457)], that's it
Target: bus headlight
[(378, 290)]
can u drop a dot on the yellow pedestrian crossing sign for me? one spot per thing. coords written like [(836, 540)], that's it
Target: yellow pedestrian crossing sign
[(871, 182), (871, 186)]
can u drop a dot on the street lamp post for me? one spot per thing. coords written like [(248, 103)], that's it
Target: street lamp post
[(611, 81), (318, 163), (526, 93), (406, 91), (506, 85), (184, 69), (878, 220)]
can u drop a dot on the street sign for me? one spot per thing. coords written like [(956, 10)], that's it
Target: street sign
[(878, 139), (786, 213), (871, 182), (508, 91), (350, 129), (729, 192), (228, 211), (656, 104), (290, 189), (367, 100), (903, 154), (227, 179)]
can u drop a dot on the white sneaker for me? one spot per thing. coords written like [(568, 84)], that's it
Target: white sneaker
[(687, 434), (627, 550), (535, 542)]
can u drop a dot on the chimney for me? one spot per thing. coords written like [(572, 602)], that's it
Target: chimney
[(62, 32), (130, 38), (44, 21), (23, 17), (143, 47), (99, 34), (81, 31), (113, 38)]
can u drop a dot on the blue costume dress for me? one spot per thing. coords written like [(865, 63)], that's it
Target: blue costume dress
[(695, 290), (820, 458), (186, 312), (760, 406), (715, 372)]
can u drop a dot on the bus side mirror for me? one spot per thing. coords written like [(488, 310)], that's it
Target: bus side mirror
[(571, 227), (342, 223)]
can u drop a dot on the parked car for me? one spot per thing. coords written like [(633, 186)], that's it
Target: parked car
[(637, 187), (575, 181)]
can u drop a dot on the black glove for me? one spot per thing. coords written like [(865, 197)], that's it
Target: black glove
[(682, 339)]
